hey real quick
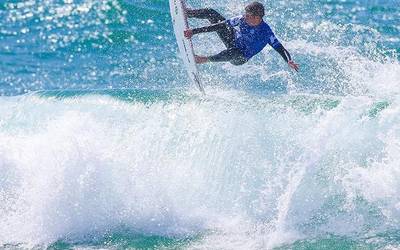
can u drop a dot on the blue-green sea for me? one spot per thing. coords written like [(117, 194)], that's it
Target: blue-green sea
[(106, 144)]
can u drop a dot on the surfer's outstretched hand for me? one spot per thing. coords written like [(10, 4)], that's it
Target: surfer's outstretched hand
[(188, 33), (293, 65)]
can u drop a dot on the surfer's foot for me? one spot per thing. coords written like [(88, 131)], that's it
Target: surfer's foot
[(200, 59)]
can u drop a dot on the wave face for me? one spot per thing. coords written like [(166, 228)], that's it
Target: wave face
[(105, 144)]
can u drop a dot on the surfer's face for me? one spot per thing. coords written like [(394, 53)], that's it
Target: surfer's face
[(252, 20)]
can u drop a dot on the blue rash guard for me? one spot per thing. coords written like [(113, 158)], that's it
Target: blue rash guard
[(252, 39)]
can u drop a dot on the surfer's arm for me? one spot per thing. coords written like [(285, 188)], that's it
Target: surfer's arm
[(286, 56), (283, 52), (278, 47)]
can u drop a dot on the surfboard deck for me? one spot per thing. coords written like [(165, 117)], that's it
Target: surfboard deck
[(180, 23)]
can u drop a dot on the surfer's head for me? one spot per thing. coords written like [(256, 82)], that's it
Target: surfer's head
[(254, 13)]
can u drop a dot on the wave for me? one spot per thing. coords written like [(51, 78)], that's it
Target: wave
[(280, 168)]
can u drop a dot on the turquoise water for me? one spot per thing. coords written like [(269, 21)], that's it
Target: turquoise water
[(105, 144)]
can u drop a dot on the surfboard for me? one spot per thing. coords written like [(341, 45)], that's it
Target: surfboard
[(180, 23)]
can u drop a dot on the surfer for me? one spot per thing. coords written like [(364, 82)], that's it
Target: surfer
[(244, 36)]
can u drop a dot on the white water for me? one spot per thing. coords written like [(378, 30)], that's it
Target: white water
[(257, 172)]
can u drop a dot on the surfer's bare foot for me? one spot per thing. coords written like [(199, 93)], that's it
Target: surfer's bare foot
[(188, 33), (200, 59)]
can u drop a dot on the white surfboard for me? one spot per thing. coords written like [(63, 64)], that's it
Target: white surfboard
[(185, 45)]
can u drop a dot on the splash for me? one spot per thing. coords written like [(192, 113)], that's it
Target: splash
[(279, 169)]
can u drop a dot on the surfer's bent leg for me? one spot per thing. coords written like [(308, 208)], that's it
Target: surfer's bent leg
[(224, 31), (232, 55), (212, 15)]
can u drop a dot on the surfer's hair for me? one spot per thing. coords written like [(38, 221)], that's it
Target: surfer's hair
[(255, 9)]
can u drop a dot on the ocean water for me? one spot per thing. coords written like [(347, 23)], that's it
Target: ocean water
[(105, 144)]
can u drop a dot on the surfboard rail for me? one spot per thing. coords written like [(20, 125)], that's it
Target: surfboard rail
[(185, 45)]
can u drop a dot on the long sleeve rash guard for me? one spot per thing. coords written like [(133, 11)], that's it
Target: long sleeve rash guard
[(252, 39), (249, 39)]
